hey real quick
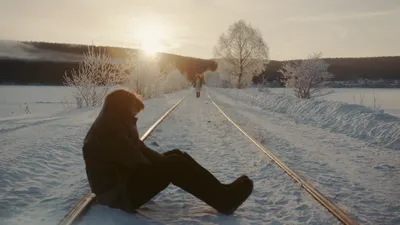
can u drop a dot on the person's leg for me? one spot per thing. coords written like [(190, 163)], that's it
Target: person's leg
[(187, 174), (146, 183), (149, 181), (192, 162), (195, 163), (183, 171)]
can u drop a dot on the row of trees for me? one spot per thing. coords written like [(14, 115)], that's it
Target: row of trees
[(242, 54), (99, 72), (45, 63)]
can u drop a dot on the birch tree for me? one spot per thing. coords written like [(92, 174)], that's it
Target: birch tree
[(243, 52)]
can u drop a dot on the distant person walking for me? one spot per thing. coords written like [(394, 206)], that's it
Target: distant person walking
[(198, 83)]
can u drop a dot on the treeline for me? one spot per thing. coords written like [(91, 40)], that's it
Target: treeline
[(49, 72), (345, 69)]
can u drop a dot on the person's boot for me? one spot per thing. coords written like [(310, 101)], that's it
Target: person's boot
[(238, 192), (195, 163), (211, 176), (239, 179), (198, 181)]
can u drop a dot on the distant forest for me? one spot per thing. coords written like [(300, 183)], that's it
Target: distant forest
[(347, 69), (50, 72)]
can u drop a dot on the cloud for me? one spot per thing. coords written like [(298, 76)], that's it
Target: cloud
[(337, 17)]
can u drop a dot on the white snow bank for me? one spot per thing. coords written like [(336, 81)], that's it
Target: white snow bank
[(353, 120)]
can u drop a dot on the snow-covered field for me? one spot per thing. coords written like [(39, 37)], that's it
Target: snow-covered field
[(38, 99), (386, 99), (350, 153)]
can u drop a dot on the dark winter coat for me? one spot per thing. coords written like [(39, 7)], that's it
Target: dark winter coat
[(112, 152)]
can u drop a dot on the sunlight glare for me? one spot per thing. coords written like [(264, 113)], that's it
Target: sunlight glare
[(150, 36)]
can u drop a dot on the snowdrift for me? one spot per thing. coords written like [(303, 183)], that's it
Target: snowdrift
[(353, 120)]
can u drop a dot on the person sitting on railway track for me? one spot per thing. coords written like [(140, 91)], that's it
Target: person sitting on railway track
[(124, 173)]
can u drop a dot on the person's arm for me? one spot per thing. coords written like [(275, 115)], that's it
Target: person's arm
[(131, 156), (124, 150), (150, 154)]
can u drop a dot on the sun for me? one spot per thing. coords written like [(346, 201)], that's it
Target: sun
[(150, 37)]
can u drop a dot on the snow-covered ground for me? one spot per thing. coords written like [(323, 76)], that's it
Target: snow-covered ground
[(336, 146), (38, 99), (355, 162), (386, 99)]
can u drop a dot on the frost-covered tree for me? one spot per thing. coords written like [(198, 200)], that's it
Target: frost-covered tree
[(144, 74), (308, 78), (152, 77), (96, 74), (175, 81), (226, 79), (243, 53), (212, 79)]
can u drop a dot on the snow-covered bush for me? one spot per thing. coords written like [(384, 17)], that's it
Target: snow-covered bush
[(144, 75), (227, 80), (150, 78), (308, 78), (175, 81), (96, 74), (212, 79)]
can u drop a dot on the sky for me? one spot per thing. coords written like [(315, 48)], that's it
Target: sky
[(291, 28)]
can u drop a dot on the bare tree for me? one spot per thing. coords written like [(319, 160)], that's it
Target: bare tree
[(242, 51), (308, 78), (96, 74)]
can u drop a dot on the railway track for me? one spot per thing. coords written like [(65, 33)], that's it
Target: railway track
[(82, 206), (341, 215)]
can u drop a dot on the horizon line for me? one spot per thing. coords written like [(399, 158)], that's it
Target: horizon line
[(131, 48)]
